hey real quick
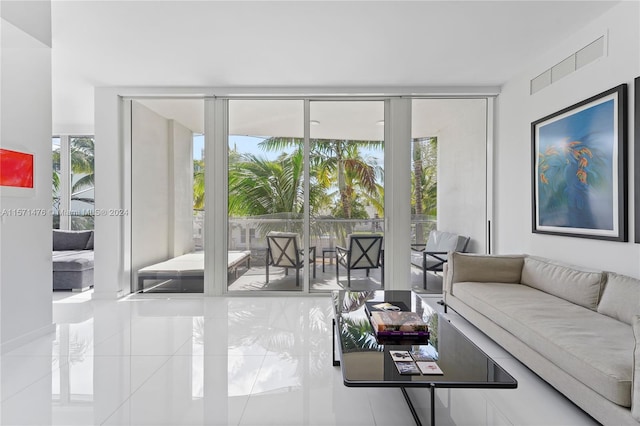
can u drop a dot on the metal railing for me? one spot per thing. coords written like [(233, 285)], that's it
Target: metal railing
[(248, 233)]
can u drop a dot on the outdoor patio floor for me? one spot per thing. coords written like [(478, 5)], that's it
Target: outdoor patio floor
[(254, 279)]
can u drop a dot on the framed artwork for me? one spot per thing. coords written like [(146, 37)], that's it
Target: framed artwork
[(579, 169), (636, 155), (16, 173)]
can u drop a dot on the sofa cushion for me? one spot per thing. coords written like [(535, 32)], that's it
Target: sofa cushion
[(485, 268), (70, 240), (620, 298), (593, 348), (635, 404), (72, 260), (580, 286)]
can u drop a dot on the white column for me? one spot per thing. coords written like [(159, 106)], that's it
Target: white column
[(113, 187), (397, 189), (215, 222)]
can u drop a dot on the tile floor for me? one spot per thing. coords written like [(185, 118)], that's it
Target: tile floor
[(191, 360)]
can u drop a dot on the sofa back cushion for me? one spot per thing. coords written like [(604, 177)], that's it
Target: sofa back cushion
[(70, 240), (635, 386), (620, 298), (485, 268), (572, 283)]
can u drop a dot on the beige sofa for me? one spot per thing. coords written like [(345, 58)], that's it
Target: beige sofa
[(578, 329)]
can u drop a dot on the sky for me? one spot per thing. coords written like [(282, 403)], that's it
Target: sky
[(249, 144)]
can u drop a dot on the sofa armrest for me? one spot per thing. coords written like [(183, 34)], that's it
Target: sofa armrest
[(446, 280), (635, 385)]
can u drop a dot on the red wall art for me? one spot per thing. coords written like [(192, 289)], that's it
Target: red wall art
[(16, 169)]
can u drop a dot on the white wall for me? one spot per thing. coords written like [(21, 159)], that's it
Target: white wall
[(181, 203), (150, 187), (162, 188), (25, 118), (517, 109)]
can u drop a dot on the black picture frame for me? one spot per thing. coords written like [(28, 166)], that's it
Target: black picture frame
[(636, 158), (579, 169)]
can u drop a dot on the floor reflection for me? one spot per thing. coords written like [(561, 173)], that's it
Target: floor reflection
[(214, 361)]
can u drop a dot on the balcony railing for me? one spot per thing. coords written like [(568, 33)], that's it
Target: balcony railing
[(248, 233)]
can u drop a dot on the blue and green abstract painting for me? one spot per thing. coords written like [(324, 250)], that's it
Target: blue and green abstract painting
[(576, 169)]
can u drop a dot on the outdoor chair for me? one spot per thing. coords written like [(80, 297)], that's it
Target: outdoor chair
[(432, 256), (283, 252), (364, 252)]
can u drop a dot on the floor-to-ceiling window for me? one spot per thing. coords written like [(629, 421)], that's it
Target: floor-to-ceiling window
[(448, 174), (56, 182), (167, 214), (73, 182), (313, 170), (266, 197), (347, 166), (293, 200), (82, 182)]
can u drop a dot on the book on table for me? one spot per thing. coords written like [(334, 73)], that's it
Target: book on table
[(385, 306), (399, 324)]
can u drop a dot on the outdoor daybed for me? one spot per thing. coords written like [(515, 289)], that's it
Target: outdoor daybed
[(188, 267), (576, 328), (72, 258)]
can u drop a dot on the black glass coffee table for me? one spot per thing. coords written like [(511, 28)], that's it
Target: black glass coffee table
[(366, 362)]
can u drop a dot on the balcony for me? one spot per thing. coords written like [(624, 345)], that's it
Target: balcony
[(248, 234)]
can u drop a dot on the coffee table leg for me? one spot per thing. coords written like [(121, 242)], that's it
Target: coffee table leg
[(412, 408), (432, 391), (336, 363)]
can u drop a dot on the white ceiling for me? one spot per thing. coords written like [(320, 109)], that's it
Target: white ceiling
[(296, 44)]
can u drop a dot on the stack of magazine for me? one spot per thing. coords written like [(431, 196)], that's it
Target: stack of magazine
[(393, 321), (415, 362)]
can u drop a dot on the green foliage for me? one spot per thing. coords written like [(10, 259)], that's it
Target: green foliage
[(82, 162), (339, 164)]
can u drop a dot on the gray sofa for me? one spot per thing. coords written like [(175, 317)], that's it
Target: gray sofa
[(578, 329), (72, 260)]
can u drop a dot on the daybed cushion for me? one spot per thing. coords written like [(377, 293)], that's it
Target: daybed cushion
[(635, 405), (582, 287), (72, 260), (497, 269), (621, 298), (70, 240), (190, 264), (593, 348)]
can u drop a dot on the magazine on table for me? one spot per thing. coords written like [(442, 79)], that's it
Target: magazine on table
[(401, 355), (423, 353), (407, 367), (429, 367)]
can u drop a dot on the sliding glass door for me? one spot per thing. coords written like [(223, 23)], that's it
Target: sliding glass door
[(266, 199), (293, 198), (448, 177), (347, 173)]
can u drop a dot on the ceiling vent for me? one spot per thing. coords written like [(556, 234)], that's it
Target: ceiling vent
[(577, 60)]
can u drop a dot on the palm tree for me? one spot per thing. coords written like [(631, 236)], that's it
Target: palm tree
[(341, 162), (425, 183), (198, 184), (258, 186), (338, 162), (82, 162)]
